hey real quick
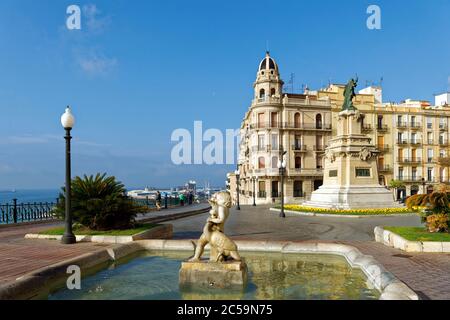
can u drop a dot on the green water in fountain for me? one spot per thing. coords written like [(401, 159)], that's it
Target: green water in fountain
[(154, 276)]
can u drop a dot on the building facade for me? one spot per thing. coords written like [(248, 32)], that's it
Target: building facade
[(412, 138)]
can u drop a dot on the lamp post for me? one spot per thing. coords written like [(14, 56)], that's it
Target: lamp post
[(282, 168), (254, 191), (68, 121), (238, 207), (423, 185)]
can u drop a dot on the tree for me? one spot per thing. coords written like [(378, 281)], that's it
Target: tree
[(100, 203), (396, 184), (437, 209)]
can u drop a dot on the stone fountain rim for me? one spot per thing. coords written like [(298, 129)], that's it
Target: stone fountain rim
[(32, 284)]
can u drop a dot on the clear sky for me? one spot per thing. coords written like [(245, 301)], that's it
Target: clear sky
[(137, 70)]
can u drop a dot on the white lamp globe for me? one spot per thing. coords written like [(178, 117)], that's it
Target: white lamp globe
[(236, 172), (67, 119), (279, 164)]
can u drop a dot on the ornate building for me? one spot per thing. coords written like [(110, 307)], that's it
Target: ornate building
[(411, 137)]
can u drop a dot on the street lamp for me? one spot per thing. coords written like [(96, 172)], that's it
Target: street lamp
[(423, 185), (254, 191), (68, 121), (237, 189), (282, 168)]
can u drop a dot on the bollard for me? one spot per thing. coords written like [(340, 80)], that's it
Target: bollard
[(165, 202)]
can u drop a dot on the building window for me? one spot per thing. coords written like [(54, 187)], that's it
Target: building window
[(298, 162), (400, 173), (362, 172), (261, 142), (319, 121), (429, 123), (319, 161), (262, 94), (272, 92), (273, 119), (297, 120), (274, 162), (298, 189), (274, 141), (333, 173), (380, 122), (261, 163), (430, 174), (297, 142)]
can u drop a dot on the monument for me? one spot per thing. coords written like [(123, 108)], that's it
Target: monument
[(350, 171), (225, 268)]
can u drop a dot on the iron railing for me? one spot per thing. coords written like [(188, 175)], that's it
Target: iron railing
[(26, 212)]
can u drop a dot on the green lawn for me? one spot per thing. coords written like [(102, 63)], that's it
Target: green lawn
[(87, 232), (418, 234)]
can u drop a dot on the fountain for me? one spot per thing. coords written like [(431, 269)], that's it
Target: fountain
[(225, 268)]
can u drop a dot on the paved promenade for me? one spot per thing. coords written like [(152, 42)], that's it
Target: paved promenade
[(426, 273), (19, 256)]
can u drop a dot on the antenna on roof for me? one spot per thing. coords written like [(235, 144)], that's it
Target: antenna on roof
[(291, 81), (381, 82), (267, 46)]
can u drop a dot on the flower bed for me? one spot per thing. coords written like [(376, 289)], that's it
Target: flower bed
[(359, 212)]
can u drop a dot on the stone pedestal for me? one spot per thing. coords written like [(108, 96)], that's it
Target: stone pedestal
[(350, 172), (206, 274)]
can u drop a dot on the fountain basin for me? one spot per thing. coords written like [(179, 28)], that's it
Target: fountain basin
[(372, 276)]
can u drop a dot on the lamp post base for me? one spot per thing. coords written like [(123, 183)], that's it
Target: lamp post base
[(68, 239)]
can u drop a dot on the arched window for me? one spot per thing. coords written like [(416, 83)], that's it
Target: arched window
[(274, 162), (298, 162), (262, 94), (297, 120), (272, 92), (261, 163), (319, 121)]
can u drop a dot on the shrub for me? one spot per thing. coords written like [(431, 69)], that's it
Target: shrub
[(437, 223), (100, 203), (434, 207)]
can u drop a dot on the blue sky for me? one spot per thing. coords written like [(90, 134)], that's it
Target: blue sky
[(140, 69)]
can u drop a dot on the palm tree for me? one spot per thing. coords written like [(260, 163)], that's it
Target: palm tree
[(100, 203)]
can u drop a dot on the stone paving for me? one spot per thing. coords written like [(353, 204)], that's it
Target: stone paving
[(426, 273), (19, 256)]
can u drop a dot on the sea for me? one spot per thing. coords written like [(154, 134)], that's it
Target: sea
[(25, 196)]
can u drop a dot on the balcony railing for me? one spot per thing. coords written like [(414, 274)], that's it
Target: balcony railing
[(366, 127), (442, 126), (261, 194), (415, 125), (406, 141), (266, 125), (409, 178), (307, 126), (301, 148), (383, 147), (319, 148), (267, 99), (409, 160), (382, 127), (299, 194), (402, 125), (384, 168), (430, 141), (275, 194)]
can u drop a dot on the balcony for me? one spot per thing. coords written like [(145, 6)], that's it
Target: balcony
[(382, 128), (366, 128), (267, 172), (384, 168), (431, 160), (383, 147), (415, 125), (442, 126), (319, 148), (409, 178), (267, 100), (266, 125), (306, 172), (443, 143), (406, 141), (409, 160), (307, 126), (430, 141), (261, 194), (275, 194), (401, 125), (299, 148)]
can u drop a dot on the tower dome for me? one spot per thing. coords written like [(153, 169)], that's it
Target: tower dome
[(268, 63)]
